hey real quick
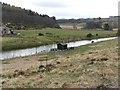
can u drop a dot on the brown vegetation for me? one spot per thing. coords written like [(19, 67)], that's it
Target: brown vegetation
[(96, 68)]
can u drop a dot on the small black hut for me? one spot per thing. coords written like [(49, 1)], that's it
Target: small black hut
[(62, 46)]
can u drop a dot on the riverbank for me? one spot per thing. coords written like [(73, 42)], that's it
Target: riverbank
[(29, 38), (47, 48), (66, 69)]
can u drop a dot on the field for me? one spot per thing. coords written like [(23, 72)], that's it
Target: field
[(30, 38), (89, 66), (71, 25)]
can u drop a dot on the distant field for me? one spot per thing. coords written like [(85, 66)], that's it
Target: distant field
[(68, 24), (71, 25), (29, 38)]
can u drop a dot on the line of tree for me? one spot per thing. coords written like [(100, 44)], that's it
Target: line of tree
[(99, 25), (93, 25), (30, 12)]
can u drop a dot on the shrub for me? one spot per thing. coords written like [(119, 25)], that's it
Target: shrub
[(40, 34), (102, 87), (58, 62), (89, 35), (96, 34), (107, 27), (21, 73), (104, 59), (93, 25), (49, 67), (34, 71), (8, 76), (3, 82), (41, 66), (91, 62), (40, 71), (14, 75), (16, 70)]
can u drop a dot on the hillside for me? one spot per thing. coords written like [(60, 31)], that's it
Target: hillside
[(90, 66), (19, 17)]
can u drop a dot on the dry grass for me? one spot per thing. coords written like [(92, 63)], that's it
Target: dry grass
[(74, 71)]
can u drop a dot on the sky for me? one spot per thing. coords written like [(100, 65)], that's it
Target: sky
[(67, 9)]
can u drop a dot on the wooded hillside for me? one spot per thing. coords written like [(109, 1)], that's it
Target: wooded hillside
[(22, 18)]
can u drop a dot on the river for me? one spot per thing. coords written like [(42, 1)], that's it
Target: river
[(31, 51)]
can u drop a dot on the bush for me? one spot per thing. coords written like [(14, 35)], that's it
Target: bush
[(58, 62), (96, 34), (107, 27), (40, 34), (104, 59), (34, 72), (14, 75), (89, 35), (3, 82), (101, 87), (93, 25), (9, 76), (41, 66), (21, 73)]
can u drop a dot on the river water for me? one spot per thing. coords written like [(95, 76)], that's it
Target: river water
[(31, 51)]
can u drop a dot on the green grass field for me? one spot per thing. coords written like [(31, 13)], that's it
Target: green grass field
[(29, 38)]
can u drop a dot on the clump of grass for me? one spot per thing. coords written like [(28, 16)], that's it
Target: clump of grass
[(43, 59), (9, 76), (40, 71), (104, 59), (46, 68), (90, 52), (3, 82), (21, 73), (50, 66), (91, 61), (34, 72), (16, 70), (58, 62), (65, 85), (17, 73), (88, 58), (3, 76), (41, 66), (102, 86)]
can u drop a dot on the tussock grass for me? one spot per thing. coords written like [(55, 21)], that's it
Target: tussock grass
[(78, 68)]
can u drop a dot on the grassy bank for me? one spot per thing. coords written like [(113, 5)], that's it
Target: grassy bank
[(29, 38), (65, 69)]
